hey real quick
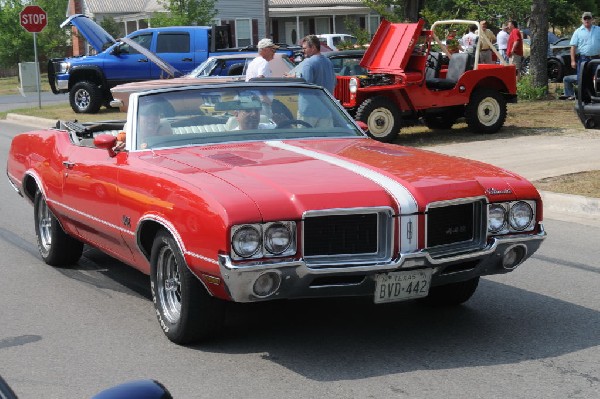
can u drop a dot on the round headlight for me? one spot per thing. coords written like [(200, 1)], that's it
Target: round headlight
[(277, 238), (496, 218), (353, 85), (520, 215), (246, 241)]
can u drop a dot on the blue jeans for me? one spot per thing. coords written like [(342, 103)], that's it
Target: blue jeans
[(568, 82)]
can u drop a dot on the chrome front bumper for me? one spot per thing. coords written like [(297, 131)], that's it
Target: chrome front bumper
[(300, 280)]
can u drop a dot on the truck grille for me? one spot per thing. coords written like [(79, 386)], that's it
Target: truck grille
[(456, 227), (354, 236), (342, 90)]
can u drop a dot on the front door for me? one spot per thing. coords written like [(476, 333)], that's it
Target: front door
[(293, 32)]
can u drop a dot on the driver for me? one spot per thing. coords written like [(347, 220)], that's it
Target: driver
[(150, 124)]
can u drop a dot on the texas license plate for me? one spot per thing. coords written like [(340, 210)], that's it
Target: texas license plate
[(401, 286)]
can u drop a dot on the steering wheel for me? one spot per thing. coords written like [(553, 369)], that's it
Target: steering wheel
[(290, 122)]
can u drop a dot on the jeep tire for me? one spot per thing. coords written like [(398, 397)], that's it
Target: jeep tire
[(85, 97), (486, 112), (382, 118)]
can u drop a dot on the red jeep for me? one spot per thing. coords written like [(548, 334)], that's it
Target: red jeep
[(408, 80)]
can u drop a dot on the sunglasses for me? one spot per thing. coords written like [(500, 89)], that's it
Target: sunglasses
[(587, 18)]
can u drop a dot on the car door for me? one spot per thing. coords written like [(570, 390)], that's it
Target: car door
[(90, 191), (126, 64), (174, 48)]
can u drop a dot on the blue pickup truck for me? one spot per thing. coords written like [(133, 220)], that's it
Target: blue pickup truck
[(88, 79)]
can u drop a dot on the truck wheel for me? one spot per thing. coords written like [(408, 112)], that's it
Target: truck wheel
[(85, 98), (185, 310), (555, 71), (486, 112), (56, 247), (382, 117), (451, 294)]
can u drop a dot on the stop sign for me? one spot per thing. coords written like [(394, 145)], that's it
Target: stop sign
[(33, 19)]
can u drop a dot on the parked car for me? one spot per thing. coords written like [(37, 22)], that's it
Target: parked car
[(408, 82), (332, 40), (219, 68), (345, 62), (232, 205), (559, 60), (588, 95)]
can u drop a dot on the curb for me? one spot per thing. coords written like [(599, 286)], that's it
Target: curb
[(34, 121)]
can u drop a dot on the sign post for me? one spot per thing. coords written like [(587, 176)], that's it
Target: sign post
[(34, 19)]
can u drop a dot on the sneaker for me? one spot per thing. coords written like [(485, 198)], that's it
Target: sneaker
[(571, 98), (563, 97)]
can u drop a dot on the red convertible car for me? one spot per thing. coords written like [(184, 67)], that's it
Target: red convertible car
[(268, 190)]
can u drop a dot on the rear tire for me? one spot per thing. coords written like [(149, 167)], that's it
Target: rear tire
[(85, 98), (56, 247), (555, 71), (486, 111), (185, 310), (382, 117), (451, 294)]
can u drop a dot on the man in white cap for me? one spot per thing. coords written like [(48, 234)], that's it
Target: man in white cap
[(259, 67), (585, 42)]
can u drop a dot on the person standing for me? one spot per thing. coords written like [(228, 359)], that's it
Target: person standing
[(469, 40), (585, 42), (317, 69), (502, 39), (485, 55), (514, 47), (259, 67)]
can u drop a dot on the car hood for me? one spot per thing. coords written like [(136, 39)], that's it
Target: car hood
[(391, 47), (285, 179), (96, 36)]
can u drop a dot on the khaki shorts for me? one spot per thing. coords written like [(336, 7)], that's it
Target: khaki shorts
[(517, 61)]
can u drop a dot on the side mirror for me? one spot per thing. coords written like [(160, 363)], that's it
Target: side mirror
[(106, 141), (143, 389)]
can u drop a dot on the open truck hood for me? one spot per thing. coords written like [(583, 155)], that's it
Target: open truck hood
[(96, 36), (391, 47)]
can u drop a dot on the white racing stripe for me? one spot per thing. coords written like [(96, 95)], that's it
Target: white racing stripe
[(406, 202)]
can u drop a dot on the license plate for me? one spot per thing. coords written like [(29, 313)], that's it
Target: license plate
[(401, 286)]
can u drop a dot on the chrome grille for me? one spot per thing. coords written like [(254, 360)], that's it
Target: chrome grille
[(456, 226), (347, 236)]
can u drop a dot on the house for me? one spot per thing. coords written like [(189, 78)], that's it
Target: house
[(286, 21)]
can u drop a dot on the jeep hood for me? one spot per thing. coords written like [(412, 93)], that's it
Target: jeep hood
[(96, 36), (391, 47)]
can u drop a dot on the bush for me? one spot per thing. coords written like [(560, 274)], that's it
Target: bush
[(526, 90)]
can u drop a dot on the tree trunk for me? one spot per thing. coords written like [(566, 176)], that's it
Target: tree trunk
[(538, 23)]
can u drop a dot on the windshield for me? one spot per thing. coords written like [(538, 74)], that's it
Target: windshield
[(241, 112)]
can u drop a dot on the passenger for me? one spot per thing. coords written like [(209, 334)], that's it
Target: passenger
[(150, 124)]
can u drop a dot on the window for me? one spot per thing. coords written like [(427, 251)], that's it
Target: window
[(143, 40), (373, 23), (243, 32), (176, 42)]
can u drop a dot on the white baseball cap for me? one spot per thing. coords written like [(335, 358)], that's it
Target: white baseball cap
[(266, 43)]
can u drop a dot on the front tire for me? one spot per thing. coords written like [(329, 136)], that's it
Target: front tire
[(56, 247), (382, 117), (451, 294), (85, 98), (486, 112), (185, 310)]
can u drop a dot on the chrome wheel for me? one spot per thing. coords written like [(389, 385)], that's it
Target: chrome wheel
[(44, 227), (169, 284), (82, 99)]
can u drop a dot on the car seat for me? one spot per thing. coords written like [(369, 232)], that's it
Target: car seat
[(459, 63)]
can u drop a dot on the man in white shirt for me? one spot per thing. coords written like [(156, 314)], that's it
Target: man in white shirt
[(259, 67), (502, 40)]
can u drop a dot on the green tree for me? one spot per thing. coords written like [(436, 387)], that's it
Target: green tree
[(111, 26), (185, 12)]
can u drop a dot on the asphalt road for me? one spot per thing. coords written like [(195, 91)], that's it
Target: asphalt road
[(71, 332)]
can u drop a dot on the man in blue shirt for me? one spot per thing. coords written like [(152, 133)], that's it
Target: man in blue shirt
[(585, 42), (317, 69)]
